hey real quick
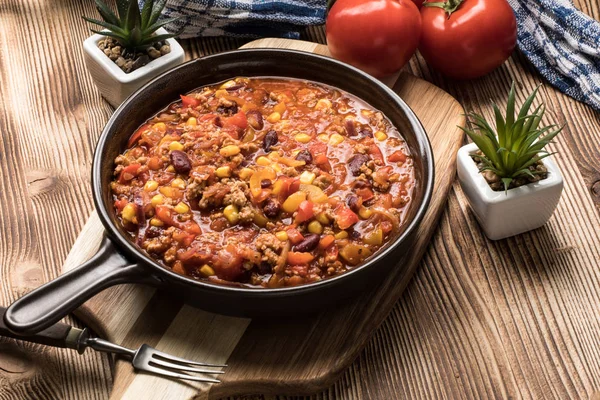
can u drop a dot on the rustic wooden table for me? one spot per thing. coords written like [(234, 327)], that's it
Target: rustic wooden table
[(514, 318)]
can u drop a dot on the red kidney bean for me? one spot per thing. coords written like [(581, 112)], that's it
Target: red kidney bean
[(304, 155), (353, 202), (255, 119), (138, 201), (309, 243), (355, 162), (265, 183), (271, 208), (350, 129), (181, 162), (270, 139)]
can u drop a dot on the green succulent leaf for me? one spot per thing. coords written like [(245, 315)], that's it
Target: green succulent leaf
[(110, 27), (106, 13), (515, 143), (132, 28), (146, 12)]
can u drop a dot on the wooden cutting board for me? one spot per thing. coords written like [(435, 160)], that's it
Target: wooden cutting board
[(295, 356)]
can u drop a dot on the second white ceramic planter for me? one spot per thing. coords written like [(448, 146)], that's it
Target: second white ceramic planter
[(115, 85), (507, 214)]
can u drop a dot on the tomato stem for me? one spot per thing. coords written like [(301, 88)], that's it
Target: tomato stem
[(448, 6)]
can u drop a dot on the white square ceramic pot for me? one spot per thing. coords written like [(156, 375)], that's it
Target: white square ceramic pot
[(114, 84), (503, 214)]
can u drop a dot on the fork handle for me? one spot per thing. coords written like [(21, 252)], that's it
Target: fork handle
[(57, 335)]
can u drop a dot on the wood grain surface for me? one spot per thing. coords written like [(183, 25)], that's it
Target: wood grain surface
[(514, 318), (293, 355)]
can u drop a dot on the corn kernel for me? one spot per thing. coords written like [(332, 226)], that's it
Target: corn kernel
[(273, 156), (282, 235), (274, 117), (323, 137), (292, 203), (223, 172), (192, 121), (364, 212), (157, 200), (175, 146), (220, 93), (181, 208), (264, 161), (276, 167), (307, 177), (341, 235), (322, 218), (303, 138), (379, 135), (231, 150), (178, 183), (151, 186), (128, 212), (160, 126), (315, 227), (170, 168), (207, 270), (323, 104), (336, 138), (156, 222), (231, 213), (245, 173)]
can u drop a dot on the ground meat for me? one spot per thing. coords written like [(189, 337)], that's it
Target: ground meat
[(237, 194), (246, 214), (213, 195), (269, 246), (158, 245)]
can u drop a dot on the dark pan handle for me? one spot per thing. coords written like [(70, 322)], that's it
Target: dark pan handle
[(49, 303)]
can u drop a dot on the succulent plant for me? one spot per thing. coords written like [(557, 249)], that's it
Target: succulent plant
[(515, 144), (132, 28)]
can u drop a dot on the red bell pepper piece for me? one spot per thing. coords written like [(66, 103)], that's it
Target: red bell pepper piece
[(189, 101), (299, 258)]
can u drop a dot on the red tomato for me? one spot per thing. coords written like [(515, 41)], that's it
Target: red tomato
[(238, 120), (189, 101), (470, 42), (345, 217), (305, 211), (418, 3), (377, 36), (128, 173)]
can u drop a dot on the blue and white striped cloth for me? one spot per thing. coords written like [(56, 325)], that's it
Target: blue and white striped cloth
[(244, 18), (560, 41), (564, 45)]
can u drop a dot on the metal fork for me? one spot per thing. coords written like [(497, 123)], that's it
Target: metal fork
[(145, 358)]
